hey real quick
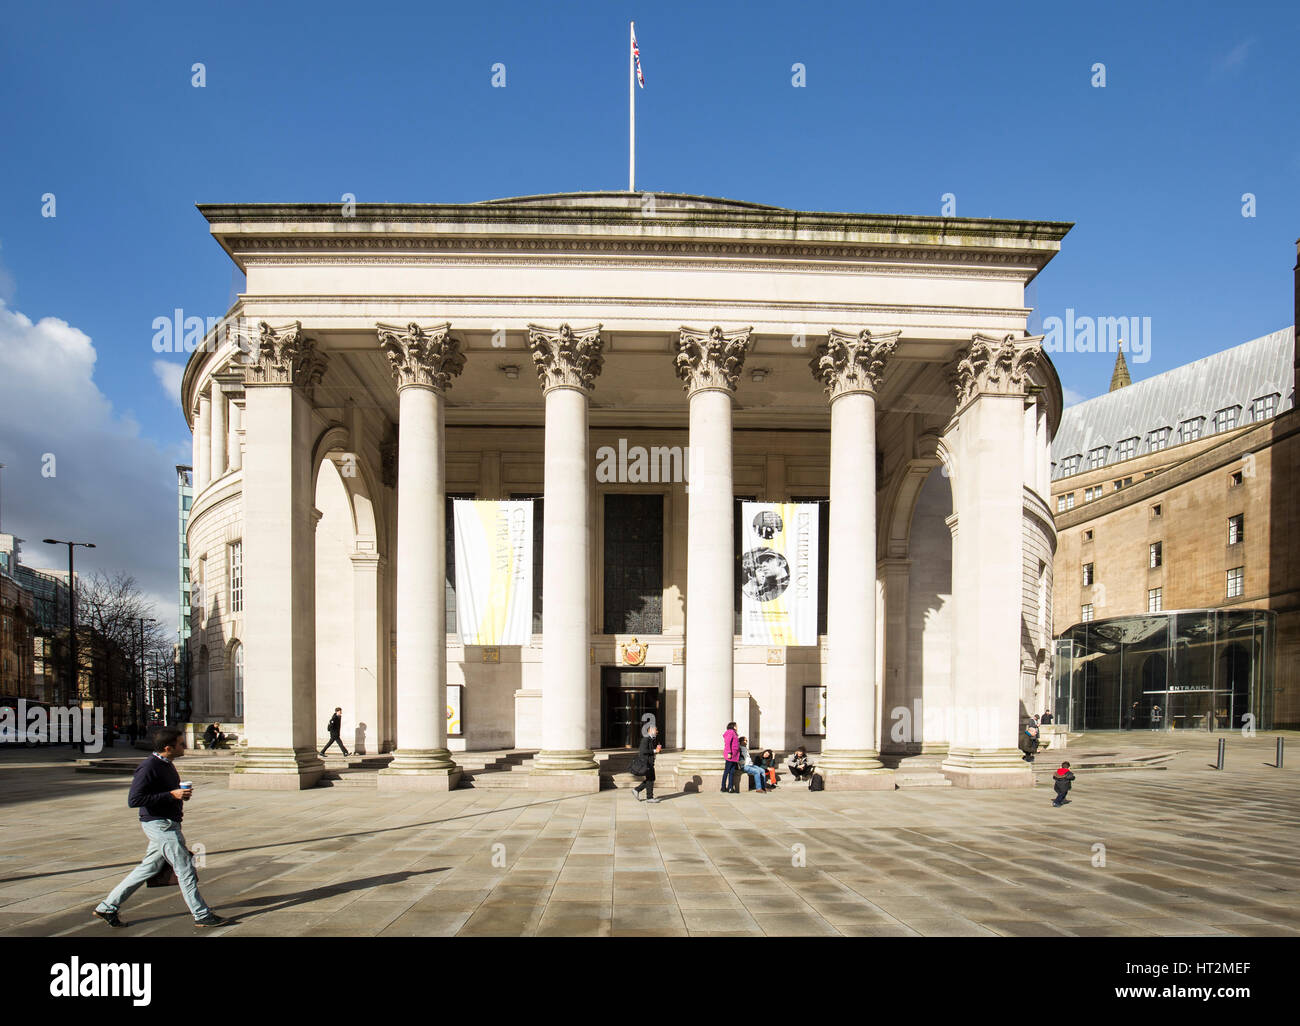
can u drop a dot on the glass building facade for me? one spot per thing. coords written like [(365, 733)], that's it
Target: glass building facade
[(1205, 669)]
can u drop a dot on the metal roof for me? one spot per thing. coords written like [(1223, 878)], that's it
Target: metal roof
[(1234, 377)]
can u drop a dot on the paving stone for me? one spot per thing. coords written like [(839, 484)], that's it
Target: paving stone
[(1190, 852)]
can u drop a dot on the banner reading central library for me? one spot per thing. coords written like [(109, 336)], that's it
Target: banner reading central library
[(494, 571), (778, 561)]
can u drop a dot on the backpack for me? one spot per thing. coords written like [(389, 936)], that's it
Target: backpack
[(816, 783), (640, 767)]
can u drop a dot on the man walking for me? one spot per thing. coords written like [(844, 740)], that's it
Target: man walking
[(156, 791), (334, 726), (650, 747)]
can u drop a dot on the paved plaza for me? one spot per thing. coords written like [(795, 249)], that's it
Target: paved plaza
[(1187, 850)]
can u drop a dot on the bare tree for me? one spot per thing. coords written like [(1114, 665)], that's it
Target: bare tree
[(124, 643)]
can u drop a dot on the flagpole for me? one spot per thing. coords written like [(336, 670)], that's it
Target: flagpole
[(631, 108)]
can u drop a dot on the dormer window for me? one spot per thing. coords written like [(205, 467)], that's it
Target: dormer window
[(1226, 418), (1158, 439), (1127, 449), (1190, 430), (1097, 457), (1264, 407)]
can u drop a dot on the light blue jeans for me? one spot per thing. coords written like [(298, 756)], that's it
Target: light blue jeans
[(757, 773), (166, 844)]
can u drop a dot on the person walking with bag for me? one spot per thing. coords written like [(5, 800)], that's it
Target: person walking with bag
[(156, 791), (645, 757), (334, 726), (731, 759)]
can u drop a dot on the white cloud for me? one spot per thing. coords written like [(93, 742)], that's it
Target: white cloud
[(109, 485), (1071, 396), (169, 374)]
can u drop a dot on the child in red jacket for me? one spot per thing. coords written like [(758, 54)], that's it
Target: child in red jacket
[(1061, 783)]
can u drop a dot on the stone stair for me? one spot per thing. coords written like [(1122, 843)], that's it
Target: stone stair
[(917, 771), (1104, 762)]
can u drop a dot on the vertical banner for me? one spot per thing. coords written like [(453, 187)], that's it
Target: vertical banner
[(494, 571), (778, 561)]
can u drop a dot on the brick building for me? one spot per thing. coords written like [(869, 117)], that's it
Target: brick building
[(1176, 493)]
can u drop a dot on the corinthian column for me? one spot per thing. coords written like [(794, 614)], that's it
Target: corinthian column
[(709, 363), (851, 367), (567, 364), (991, 378), (424, 361), (280, 565)]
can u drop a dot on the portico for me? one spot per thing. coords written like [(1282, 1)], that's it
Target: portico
[(375, 368)]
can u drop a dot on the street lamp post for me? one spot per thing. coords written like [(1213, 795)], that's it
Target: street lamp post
[(72, 613)]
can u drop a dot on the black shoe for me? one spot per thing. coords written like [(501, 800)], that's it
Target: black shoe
[(111, 918), (212, 919)]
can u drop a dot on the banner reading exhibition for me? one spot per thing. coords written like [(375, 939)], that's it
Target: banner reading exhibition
[(494, 571), (778, 560)]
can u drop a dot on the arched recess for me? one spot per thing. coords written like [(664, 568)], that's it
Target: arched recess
[(351, 668)]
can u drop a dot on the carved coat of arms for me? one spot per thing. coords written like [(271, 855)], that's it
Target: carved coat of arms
[(634, 652)]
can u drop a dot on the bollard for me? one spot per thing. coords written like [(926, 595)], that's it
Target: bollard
[(1280, 744), (1221, 747)]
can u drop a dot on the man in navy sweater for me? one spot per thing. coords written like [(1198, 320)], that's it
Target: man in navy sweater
[(156, 791)]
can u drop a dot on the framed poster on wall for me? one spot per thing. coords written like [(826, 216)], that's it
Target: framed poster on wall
[(814, 710), (455, 706)]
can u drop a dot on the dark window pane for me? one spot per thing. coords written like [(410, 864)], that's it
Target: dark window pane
[(634, 548)]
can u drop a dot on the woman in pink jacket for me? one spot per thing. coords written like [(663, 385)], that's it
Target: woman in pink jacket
[(731, 757)]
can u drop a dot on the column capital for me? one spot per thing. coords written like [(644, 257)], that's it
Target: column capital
[(847, 363), (284, 356), (421, 357), (993, 366), (711, 359), (566, 357)]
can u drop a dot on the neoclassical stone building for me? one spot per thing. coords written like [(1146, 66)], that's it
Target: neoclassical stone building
[(691, 353)]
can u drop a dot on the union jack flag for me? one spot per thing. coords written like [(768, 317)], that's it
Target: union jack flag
[(636, 56)]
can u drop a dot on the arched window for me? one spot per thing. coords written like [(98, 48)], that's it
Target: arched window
[(237, 661)]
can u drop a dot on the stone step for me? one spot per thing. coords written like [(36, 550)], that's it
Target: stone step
[(904, 779)]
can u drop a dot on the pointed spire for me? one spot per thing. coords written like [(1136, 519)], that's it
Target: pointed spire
[(1121, 376)]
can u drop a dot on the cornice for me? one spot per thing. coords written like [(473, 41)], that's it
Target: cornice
[(245, 248)]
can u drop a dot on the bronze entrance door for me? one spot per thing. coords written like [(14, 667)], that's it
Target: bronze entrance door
[(630, 700)]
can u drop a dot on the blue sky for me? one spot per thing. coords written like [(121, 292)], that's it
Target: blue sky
[(991, 102)]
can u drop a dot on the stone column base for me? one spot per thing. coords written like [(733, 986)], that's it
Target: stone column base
[(565, 771), (934, 748), (420, 770), (277, 769), (853, 770), (701, 772), (988, 768)]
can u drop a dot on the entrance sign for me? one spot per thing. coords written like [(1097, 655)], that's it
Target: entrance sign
[(778, 560), (494, 571)]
